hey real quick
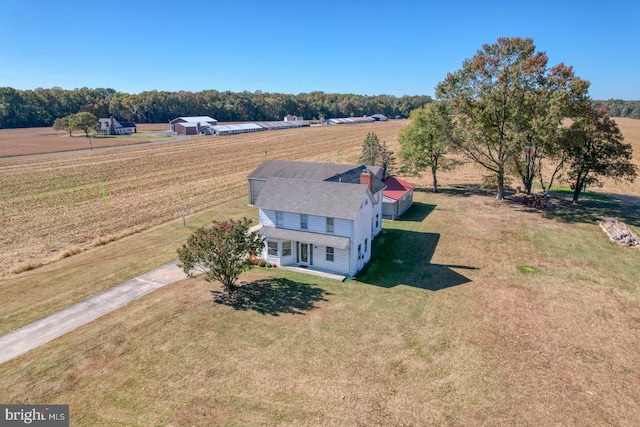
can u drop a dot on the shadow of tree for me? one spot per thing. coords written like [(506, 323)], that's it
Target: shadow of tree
[(463, 190), (591, 209), (273, 296)]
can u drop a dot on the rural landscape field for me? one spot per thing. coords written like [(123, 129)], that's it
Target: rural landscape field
[(472, 312)]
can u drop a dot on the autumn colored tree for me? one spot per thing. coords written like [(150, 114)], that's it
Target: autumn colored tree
[(594, 148), (426, 141), (222, 252), (500, 100)]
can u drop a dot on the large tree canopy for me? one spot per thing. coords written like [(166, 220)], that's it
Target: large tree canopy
[(505, 103)]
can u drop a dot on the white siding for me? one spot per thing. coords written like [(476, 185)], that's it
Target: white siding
[(345, 261), (318, 224), (377, 210), (267, 218), (339, 265), (361, 231), (280, 259)]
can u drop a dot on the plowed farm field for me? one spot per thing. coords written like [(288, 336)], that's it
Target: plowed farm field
[(52, 205)]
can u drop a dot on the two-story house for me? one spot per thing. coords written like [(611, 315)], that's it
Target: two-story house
[(321, 216)]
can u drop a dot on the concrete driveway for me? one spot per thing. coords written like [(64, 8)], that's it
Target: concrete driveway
[(37, 333)]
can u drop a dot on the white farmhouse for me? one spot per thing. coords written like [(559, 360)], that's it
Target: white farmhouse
[(319, 216)]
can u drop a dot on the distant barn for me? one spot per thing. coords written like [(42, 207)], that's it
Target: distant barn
[(191, 125)]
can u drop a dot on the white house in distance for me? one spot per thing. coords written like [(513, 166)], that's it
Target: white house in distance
[(321, 216), (290, 118), (111, 126), (191, 125)]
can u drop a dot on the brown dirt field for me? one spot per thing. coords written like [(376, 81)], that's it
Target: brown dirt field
[(54, 203), (21, 142)]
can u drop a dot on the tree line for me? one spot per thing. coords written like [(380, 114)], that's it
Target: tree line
[(620, 108), (41, 107)]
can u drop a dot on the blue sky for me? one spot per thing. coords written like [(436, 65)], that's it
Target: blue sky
[(347, 46)]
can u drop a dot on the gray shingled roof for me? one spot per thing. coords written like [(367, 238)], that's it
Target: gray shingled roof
[(352, 176), (329, 199), (313, 171), (297, 170)]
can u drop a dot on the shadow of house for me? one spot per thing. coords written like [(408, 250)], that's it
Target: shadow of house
[(417, 212), (404, 258), (273, 296)]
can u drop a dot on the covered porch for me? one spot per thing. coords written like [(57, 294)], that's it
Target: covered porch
[(306, 251)]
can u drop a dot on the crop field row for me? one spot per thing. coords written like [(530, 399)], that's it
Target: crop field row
[(55, 203)]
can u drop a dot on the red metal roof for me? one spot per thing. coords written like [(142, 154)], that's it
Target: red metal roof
[(396, 188)]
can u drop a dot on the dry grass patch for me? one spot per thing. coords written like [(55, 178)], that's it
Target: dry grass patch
[(502, 347)]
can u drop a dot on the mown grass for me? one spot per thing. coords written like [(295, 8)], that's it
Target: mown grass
[(443, 329)]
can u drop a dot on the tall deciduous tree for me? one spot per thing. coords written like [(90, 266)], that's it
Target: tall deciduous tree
[(221, 251), (425, 142), (595, 148), (499, 98)]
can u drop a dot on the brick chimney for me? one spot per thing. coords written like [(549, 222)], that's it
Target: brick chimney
[(367, 179)]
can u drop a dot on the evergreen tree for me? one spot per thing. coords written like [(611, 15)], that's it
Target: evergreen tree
[(371, 150)]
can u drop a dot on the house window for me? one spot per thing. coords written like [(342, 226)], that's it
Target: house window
[(279, 219), (272, 248), (286, 248), (304, 221), (377, 218), (366, 243), (329, 253), (329, 225)]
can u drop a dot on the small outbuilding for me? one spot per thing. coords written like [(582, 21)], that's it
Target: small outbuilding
[(397, 198)]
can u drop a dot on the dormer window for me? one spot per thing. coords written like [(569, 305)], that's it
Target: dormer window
[(304, 221), (279, 219), (329, 225)]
